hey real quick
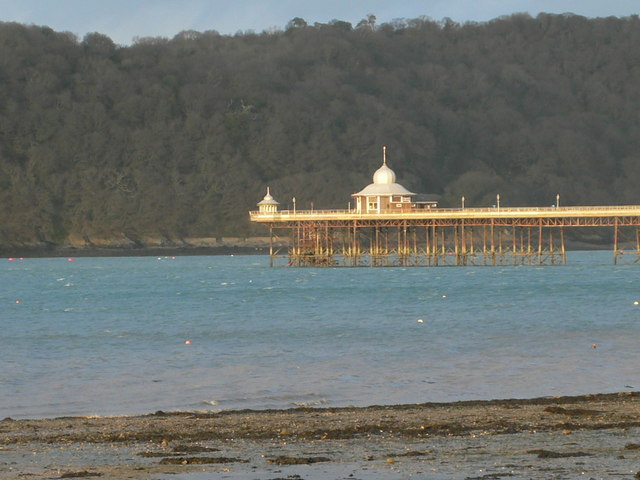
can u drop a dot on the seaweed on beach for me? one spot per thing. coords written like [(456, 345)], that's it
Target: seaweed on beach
[(289, 477), (194, 449), (81, 474), (552, 454), (412, 453), (284, 460), (200, 460), (490, 476), (573, 412)]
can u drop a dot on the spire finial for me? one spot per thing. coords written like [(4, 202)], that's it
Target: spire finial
[(384, 154), (267, 190)]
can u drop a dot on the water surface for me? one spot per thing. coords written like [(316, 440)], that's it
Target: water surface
[(108, 335)]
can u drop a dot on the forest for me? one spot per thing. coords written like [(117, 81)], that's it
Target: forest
[(180, 137)]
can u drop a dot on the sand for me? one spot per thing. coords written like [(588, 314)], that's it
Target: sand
[(592, 436)]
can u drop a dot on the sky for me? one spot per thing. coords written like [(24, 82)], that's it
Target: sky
[(125, 20)]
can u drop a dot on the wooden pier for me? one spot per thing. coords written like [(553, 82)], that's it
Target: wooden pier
[(441, 236)]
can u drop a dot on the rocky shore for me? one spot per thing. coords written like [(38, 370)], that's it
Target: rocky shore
[(127, 246), (592, 436)]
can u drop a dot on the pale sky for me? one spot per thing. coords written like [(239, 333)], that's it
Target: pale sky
[(123, 20)]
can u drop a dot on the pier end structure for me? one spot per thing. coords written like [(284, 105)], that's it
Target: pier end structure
[(391, 226)]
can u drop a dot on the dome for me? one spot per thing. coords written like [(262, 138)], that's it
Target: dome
[(384, 182), (268, 199), (384, 176)]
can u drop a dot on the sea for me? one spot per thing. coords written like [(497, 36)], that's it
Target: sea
[(135, 335)]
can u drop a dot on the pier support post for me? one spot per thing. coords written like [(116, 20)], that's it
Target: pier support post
[(463, 243), (540, 243), (434, 247), (354, 249), (493, 247), (515, 245), (484, 244), (456, 250), (615, 241), (270, 246)]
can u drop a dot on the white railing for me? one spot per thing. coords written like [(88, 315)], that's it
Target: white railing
[(606, 210)]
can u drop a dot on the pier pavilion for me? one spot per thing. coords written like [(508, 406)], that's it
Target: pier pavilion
[(390, 227)]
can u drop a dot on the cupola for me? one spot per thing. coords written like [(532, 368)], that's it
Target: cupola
[(384, 175), (268, 204)]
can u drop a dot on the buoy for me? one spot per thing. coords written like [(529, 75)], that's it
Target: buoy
[(594, 346), (636, 302), (420, 320), (11, 259), (70, 259), (18, 301), (187, 342), (444, 296)]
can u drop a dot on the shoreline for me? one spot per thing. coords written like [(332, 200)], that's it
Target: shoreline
[(517, 436), (61, 252), (57, 251)]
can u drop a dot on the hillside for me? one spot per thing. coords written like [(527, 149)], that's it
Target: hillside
[(176, 138)]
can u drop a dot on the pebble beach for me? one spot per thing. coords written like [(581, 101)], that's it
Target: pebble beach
[(590, 436)]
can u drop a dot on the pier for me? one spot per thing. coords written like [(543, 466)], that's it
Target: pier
[(441, 236), (389, 226)]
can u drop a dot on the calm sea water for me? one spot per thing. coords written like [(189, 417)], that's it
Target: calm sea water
[(109, 335)]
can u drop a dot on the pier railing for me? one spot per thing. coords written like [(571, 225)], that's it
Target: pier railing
[(454, 213)]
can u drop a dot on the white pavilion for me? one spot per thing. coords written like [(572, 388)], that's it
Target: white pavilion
[(385, 195)]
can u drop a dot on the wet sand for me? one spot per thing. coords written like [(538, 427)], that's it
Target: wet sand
[(592, 436)]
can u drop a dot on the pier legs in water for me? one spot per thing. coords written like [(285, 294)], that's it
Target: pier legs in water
[(620, 254), (376, 245)]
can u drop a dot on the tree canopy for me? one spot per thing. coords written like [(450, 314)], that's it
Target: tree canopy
[(179, 137)]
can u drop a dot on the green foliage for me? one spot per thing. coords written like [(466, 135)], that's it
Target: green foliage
[(179, 137)]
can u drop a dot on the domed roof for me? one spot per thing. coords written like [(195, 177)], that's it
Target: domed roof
[(384, 175), (268, 199), (384, 181)]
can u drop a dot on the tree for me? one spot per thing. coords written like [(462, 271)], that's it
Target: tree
[(177, 137)]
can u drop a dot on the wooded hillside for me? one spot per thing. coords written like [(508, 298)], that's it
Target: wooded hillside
[(180, 137)]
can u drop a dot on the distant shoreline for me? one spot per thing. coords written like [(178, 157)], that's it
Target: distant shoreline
[(57, 251)]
